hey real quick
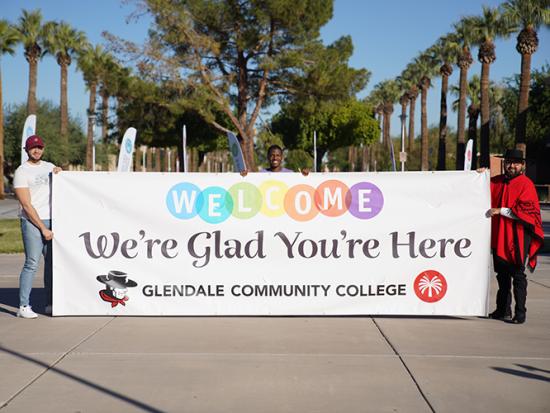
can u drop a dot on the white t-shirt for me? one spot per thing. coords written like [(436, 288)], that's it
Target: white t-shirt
[(37, 179)]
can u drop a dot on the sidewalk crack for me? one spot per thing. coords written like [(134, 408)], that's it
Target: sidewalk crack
[(54, 364), (538, 283), (409, 372)]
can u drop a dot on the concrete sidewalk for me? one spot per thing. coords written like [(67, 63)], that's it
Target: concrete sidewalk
[(273, 364), (9, 207)]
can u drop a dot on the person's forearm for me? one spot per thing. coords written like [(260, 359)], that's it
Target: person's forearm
[(33, 217)]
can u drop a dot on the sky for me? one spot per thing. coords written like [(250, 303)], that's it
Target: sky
[(386, 37)]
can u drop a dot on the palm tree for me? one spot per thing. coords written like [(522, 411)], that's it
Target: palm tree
[(412, 94), (404, 101), (375, 101), (474, 92), (31, 33), (91, 61), (529, 15), (388, 91), (63, 42), (473, 96), (409, 80), (444, 52), (378, 111), (404, 87), (8, 40), (425, 68), (464, 61), (485, 29)]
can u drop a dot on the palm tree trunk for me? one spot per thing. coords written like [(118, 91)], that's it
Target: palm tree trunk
[(31, 98), (386, 134), (404, 102), (90, 134), (485, 116), (1, 141), (64, 130), (442, 147), (523, 102), (424, 129), (473, 114), (384, 130), (104, 114), (411, 124), (460, 142)]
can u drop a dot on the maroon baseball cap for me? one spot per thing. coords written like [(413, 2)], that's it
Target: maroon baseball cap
[(34, 141)]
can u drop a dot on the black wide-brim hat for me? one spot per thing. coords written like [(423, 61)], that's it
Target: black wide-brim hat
[(116, 279), (513, 154)]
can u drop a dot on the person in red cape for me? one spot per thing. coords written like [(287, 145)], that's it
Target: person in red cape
[(516, 235)]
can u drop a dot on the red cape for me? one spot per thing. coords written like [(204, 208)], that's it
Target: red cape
[(508, 235)]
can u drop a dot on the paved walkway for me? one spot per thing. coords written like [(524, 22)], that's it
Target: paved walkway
[(273, 364), (9, 207)]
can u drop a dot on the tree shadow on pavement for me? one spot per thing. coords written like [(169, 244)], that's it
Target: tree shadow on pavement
[(133, 402), (524, 373)]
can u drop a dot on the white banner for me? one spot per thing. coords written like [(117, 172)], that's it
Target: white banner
[(125, 156), (412, 243), (28, 130)]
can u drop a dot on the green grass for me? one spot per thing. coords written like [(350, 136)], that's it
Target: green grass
[(10, 236)]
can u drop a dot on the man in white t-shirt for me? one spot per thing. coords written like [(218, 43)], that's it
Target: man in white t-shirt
[(32, 184)]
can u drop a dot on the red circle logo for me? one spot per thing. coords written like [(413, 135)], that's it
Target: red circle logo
[(430, 286)]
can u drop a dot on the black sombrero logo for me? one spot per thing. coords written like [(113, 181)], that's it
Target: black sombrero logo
[(117, 284)]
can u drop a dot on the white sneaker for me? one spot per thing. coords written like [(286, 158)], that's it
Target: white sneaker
[(48, 310), (25, 311)]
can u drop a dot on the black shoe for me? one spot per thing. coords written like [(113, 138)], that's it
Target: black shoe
[(497, 315), (518, 320)]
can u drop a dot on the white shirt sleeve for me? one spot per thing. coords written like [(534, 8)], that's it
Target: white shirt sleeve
[(508, 213), (20, 179)]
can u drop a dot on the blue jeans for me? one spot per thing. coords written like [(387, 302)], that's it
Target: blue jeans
[(35, 245)]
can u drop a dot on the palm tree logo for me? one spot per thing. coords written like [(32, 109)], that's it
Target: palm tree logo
[(430, 286)]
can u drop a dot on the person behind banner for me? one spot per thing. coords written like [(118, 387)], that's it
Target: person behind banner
[(32, 184), (516, 235), (275, 158)]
